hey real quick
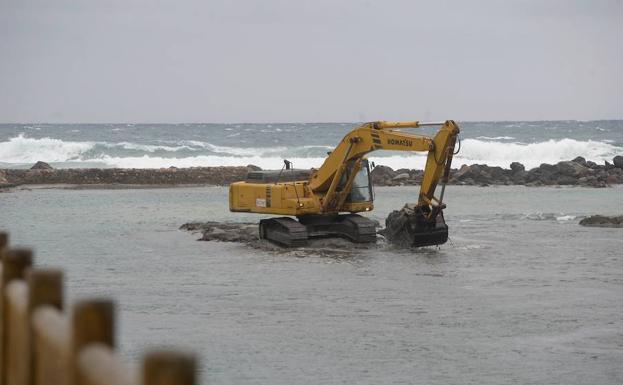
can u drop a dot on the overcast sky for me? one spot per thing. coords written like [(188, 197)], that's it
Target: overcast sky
[(318, 60)]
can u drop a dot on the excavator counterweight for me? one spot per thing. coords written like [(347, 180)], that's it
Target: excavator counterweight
[(325, 200)]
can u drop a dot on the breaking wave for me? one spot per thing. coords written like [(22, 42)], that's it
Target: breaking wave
[(22, 150), (28, 150)]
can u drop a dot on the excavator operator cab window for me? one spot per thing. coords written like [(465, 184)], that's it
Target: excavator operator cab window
[(361, 190)]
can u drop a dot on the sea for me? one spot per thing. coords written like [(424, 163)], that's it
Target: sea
[(305, 144), (520, 294)]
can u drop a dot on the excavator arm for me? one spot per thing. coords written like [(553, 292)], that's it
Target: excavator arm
[(346, 158)]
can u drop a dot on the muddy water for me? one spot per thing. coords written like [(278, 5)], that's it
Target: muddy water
[(521, 294)]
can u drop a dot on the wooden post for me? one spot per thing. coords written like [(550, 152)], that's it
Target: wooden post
[(45, 287), (92, 322), (169, 368), (14, 264), (4, 243), (4, 240)]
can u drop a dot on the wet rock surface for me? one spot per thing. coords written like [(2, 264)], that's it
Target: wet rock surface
[(602, 221), (247, 233), (224, 232)]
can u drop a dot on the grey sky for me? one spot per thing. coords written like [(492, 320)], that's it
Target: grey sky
[(320, 60)]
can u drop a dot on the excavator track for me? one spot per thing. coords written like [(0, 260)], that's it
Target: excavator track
[(288, 232), (284, 231), (353, 227)]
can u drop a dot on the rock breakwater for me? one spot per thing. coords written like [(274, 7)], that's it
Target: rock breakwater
[(112, 176), (578, 172), (603, 221)]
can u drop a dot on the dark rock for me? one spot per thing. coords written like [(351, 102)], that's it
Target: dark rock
[(253, 167), (403, 171), (618, 161), (548, 167), (517, 167), (224, 232), (570, 168), (567, 180), (476, 173), (498, 174), (519, 177), (41, 166), (608, 165), (612, 179), (603, 221), (542, 175), (591, 164), (382, 174), (580, 160), (401, 177)]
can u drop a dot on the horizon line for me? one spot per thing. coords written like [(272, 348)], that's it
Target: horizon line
[(316, 122)]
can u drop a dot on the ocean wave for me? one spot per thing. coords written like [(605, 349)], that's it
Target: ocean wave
[(186, 153), (558, 217), (146, 161), (533, 154), (495, 137), (21, 149)]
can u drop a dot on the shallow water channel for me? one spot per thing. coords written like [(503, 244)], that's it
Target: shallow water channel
[(521, 294)]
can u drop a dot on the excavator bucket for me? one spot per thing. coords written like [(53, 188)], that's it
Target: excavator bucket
[(410, 227)]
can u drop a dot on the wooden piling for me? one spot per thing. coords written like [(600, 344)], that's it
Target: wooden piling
[(99, 365), (52, 341), (14, 264), (45, 287), (4, 240), (93, 321), (41, 345), (169, 368), (4, 244)]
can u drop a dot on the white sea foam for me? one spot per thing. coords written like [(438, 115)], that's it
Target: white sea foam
[(146, 161), (533, 154), (23, 150), (495, 137), (144, 147), (28, 150)]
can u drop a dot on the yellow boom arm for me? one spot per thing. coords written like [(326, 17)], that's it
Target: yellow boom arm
[(386, 136)]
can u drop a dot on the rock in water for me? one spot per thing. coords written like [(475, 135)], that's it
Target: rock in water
[(602, 221), (41, 166), (618, 161), (225, 232), (247, 233)]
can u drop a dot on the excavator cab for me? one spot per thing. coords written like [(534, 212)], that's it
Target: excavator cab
[(361, 190)]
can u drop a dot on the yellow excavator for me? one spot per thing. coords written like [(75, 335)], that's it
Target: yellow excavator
[(319, 197)]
